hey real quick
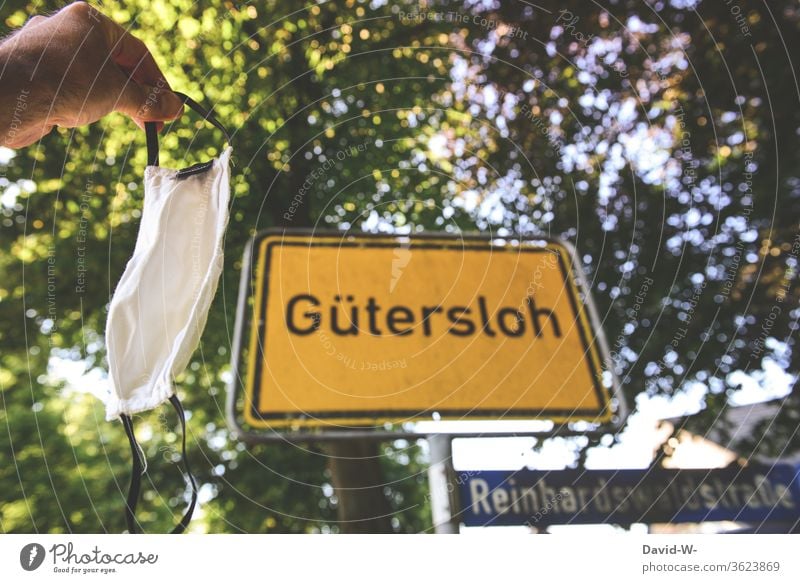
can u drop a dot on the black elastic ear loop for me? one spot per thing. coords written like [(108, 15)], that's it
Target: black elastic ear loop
[(136, 472), (189, 511), (136, 475), (151, 130)]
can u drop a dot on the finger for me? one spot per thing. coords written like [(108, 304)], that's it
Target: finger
[(34, 21), (143, 102), (160, 105), (132, 56)]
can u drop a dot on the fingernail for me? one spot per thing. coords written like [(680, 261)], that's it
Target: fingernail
[(173, 104)]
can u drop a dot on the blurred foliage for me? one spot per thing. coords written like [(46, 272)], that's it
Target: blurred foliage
[(661, 141)]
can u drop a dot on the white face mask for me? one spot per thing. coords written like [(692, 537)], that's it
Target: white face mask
[(161, 303)]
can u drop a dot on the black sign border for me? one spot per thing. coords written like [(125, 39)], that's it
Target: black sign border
[(413, 415)]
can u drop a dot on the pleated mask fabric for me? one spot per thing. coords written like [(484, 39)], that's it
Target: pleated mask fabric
[(161, 303)]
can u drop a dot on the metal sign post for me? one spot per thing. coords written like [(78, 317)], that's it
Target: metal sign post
[(440, 482)]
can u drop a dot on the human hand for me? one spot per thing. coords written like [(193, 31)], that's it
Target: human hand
[(72, 68)]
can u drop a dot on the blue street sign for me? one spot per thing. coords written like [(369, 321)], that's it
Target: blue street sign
[(539, 498)]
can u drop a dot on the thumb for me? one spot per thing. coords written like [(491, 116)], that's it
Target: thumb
[(149, 102)]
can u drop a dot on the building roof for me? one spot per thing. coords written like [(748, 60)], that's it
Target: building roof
[(736, 425)]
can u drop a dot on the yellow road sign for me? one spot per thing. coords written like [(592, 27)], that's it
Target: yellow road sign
[(367, 329)]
